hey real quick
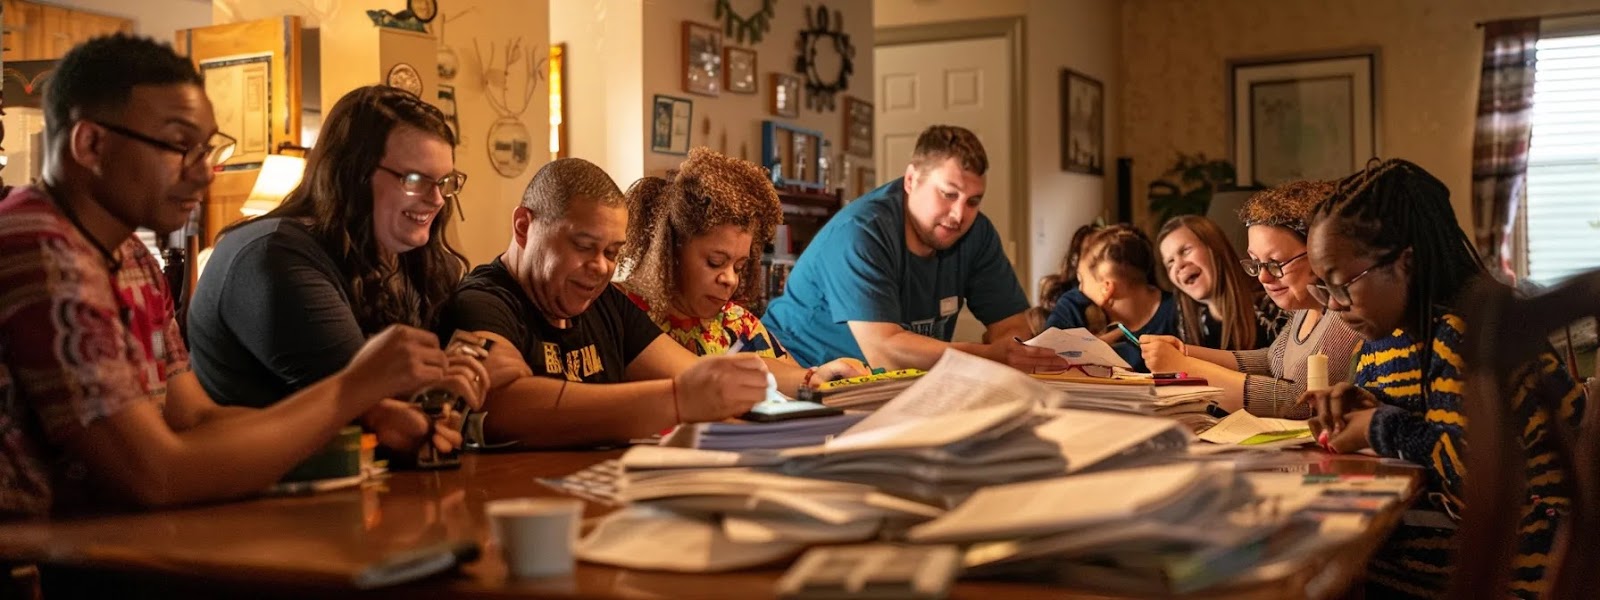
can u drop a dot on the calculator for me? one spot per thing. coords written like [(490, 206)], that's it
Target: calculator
[(872, 571)]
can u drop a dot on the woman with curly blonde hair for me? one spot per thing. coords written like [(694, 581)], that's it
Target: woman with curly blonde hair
[(693, 247)]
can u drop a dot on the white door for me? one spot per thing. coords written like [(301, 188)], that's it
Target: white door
[(965, 83)]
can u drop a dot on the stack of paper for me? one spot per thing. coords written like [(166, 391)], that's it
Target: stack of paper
[(749, 435), (967, 425), (864, 393), (1189, 404), (1149, 531)]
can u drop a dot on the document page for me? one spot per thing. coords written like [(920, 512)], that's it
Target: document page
[(958, 382)]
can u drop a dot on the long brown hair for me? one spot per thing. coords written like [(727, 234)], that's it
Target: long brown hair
[(335, 200), (710, 190), (1235, 292)]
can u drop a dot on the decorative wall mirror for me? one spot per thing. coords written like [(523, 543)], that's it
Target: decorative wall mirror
[(826, 58), (792, 155)]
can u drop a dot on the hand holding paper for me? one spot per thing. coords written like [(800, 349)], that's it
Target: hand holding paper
[(1078, 347)]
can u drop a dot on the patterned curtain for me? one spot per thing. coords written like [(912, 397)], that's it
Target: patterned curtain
[(1500, 144)]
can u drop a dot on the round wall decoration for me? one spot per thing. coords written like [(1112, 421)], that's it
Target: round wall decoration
[(826, 58), (405, 77)]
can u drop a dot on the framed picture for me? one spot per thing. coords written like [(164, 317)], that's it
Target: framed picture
[(1304, 117), (785, 95), (670, 125), (740, 66), (702, 59), (1083, 123), (866, 180), (857, 126)]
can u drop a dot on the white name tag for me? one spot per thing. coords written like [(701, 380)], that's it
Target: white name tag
[(949, 306)]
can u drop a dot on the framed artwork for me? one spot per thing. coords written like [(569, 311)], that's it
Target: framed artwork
[(740, 66), (670, 125), (857, 126), (1083, 123), (1304, 117), (702, 59), (785, 95)]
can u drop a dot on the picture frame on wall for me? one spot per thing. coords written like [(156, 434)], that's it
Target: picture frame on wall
[(739, 65), (702, 59), (857, 126), (784, 95), (1083, 123), (670, 124), (1303, 117)]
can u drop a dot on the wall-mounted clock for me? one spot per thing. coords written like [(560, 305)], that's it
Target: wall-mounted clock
[(423, 10)]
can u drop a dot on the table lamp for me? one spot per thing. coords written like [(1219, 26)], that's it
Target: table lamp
[(279, 176)]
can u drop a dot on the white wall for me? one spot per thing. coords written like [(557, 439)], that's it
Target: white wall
[(154, 18), (1082, 35), (604, 82)]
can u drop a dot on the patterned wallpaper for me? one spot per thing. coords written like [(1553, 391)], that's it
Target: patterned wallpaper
[(1174, 75)]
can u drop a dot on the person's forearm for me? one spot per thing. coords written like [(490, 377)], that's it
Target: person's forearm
[(907, 350), (1231, 381), (541, 412), (1221, 358), (240, 451), (790, 376)]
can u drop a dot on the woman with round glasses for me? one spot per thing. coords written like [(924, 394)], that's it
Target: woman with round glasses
[(1221, 305), (1389, 260), (1268, 381), (289, 297)]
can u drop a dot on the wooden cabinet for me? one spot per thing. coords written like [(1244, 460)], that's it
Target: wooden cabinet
[(35, 31)]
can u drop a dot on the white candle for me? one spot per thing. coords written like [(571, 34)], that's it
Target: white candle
[(1316, 372)]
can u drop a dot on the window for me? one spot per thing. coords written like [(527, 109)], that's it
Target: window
[(1563, 209)]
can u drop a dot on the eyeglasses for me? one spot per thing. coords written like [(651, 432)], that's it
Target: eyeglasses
[(1323, 292), (214, 151), (417, 184), (1254, 268)]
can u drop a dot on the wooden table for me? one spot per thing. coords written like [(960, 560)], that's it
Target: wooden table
[(311, 546)]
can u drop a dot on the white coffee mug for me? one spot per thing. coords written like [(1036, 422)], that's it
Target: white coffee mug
[(536, 535)]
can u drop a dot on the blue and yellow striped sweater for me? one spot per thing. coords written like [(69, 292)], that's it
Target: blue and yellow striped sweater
[(1428, 428)]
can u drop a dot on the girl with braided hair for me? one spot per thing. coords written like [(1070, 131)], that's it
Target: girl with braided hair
[(1391, 262), (1117, 275), (693, 246)]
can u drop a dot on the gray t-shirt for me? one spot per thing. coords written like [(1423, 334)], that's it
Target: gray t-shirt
[(270, 315)]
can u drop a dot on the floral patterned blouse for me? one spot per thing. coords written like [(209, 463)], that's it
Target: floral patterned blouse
[(714, 336)]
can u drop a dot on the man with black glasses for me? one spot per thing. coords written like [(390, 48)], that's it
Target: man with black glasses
[(98, 407)]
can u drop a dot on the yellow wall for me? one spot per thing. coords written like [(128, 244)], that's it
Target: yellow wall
[(1174, 78), (739, 116), (488, 198), (1078, 34)]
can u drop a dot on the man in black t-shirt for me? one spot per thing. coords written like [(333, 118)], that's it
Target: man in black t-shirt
[(601, 370)]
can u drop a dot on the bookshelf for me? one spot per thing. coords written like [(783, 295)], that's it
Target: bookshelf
[(804, 214)]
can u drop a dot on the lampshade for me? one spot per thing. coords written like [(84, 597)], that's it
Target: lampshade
[(279, 176)]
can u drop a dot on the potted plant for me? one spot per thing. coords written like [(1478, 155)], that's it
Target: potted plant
[(1186, 188)]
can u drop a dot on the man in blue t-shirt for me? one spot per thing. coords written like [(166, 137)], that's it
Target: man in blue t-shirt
[(884, 280)]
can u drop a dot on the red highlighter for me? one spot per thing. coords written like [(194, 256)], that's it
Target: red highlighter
[(1322, 440)]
